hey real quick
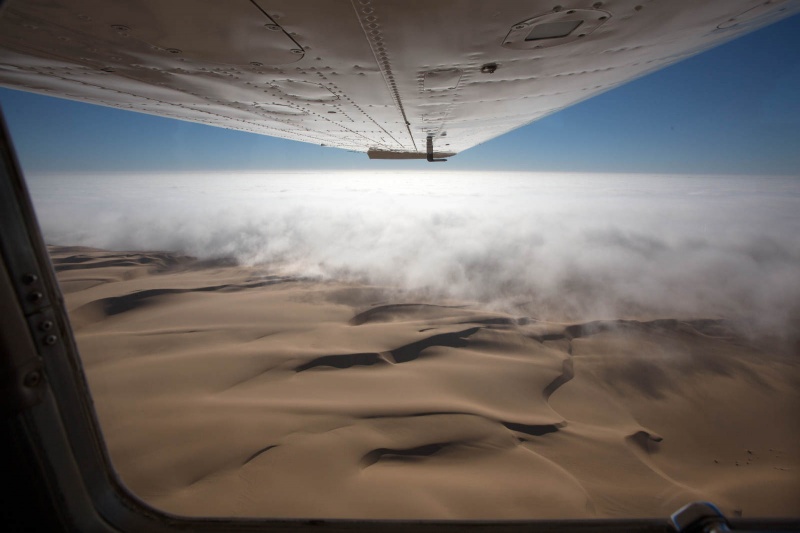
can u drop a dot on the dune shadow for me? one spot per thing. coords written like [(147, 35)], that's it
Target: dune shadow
[(403, 354), (259, 452), (403, 455), (492, 321), (412, 351), (160, 260), (128, 302), (644, 441), (342, 361), (389, 313), (534, 430), (567, 373)]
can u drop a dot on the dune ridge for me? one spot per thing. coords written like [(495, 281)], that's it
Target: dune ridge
[(225, 390)]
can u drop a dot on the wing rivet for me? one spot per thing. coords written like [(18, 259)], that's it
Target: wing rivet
[(173, 51), (296, 51), (272, 27), (489, 68), (256, 64), (519, 27)]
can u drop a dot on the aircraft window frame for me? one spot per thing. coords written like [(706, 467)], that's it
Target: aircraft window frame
[(60, 428)]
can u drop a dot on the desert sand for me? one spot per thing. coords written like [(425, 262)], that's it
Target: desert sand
[(227, 390)]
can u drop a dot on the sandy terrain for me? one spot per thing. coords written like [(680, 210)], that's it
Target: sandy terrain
[(223, 390)]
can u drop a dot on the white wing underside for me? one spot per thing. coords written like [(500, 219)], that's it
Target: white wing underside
[(366, 75)]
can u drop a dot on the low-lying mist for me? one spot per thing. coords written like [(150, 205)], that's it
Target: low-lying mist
[(551, 246)]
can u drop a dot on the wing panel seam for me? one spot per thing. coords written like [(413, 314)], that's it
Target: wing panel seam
[(373, 35)]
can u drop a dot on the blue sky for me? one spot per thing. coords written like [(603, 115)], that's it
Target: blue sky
[(732, 110)]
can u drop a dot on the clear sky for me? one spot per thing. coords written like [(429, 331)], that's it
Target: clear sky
[(732, 110)]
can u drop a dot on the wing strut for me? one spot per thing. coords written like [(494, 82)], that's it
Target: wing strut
[(430, 152)]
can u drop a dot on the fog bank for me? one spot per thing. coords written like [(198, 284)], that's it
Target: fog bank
[(552, 246)]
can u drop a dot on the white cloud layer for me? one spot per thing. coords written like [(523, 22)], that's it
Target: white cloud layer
[(551, 245)]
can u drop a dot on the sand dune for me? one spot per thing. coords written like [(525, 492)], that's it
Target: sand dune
[(225, 390)]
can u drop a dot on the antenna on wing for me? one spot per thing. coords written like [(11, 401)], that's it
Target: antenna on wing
[(430, 152)]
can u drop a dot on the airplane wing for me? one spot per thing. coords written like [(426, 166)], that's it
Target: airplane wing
[(393, 78)]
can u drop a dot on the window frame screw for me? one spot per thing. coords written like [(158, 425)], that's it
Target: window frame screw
[(32, 379)]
